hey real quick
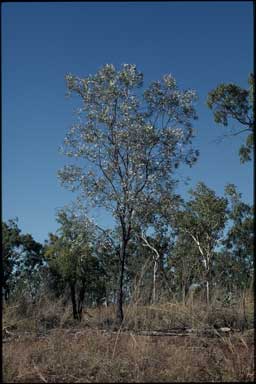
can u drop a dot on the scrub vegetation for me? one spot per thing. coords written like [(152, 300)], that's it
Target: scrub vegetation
[(165, 294)]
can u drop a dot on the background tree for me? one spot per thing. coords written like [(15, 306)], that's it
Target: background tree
[(139, 272), (22, 259), (238, 242), (10, 243), (184, 265), (203, 219), (130, 144), (54, 281), (156, 234), (107, 252), (71, 255), (31, 262), (231, 101)]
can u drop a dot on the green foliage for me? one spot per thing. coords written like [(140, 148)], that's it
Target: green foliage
[(67, 252), (22, 258), (72, 259), (188, 237), (184, 266), (231, 101), (204, 216), (107, 252), (10, 243), (239, 241), (129, 141), (202, 219)]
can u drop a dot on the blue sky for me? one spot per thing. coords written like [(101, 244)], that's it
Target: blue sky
[(200, 43)]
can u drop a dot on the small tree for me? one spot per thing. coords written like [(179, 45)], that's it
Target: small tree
[(130, 144), (203, 220), (71, 255), (184, 264), (160, 240), (10, 243), (239, 240), (231, 101), (107, 253), (22, 259)]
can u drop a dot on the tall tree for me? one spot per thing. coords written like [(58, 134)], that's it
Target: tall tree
[(229, 101), (130, 144)]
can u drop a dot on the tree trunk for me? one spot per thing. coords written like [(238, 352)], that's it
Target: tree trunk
[(207, 293), (80, 301), (6, 293), (119, 313), (183, 294), (154, 282), (73, 299), (207, 284)]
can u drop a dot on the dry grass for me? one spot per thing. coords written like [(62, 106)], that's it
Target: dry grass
[(92, 356), (168, 315), (48, 346)]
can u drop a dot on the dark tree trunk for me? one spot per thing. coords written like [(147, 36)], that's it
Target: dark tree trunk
[(6, 293), (119, 313), (73, 299), (80, 301), (184, 293)]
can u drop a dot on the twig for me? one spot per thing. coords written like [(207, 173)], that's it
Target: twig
[(40, 374), (118, 333)]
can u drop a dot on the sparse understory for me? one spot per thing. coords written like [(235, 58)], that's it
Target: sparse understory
[(42, 343)]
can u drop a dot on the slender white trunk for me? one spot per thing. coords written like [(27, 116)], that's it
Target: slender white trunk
[(206, 262), (207, 292), (156, 259), (154, 281)]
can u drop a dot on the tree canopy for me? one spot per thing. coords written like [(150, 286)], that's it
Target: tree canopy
[(130, 143), (230, 101)]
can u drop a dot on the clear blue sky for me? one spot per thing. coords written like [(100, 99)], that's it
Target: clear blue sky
[(200, 43)]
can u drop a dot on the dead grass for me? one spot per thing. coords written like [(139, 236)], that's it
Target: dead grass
[(93, 356), (48, 346), (169, 315), (46, 314)]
